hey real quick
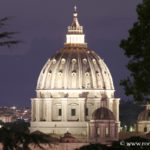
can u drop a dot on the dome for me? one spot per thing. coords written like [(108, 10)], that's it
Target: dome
[(103, 113), (144, 116), (75, 68), (72, 84)]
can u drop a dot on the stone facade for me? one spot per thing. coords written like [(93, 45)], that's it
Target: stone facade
[(71, 86)]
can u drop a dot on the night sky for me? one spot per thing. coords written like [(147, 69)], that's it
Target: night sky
[(42, 25)]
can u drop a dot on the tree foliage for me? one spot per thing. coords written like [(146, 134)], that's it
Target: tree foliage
[(6, 38), (137, 48), (16, 136), (94, 147)]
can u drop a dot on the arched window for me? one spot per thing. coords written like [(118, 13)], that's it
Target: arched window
[(54, 61), (63, 60), (94, 61), (84, 60), (74, 60)]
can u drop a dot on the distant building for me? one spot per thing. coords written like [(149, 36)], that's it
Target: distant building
[(6, 118), (70, 89), (10, 114), (143, 121)]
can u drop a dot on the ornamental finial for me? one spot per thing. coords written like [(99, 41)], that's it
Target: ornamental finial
[(75, 14)]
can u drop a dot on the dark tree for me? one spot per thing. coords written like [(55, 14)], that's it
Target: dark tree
[(6, 38), (94, 147), (137, 48), (16, 136)]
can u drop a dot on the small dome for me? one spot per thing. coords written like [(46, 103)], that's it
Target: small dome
[(144, 116), (68, 138), (103, 114)]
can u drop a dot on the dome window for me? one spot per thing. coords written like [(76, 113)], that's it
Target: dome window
[(87, 74), (63, 60), (60, 73), (84, 60), (54, 61), (74, 60), (94, 61), (50, 71), (98, 74), (73, 73)]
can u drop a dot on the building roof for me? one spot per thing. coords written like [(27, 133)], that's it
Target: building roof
[(103, 113), (68, 138), (144, 115)]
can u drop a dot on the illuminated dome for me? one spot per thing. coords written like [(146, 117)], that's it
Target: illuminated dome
[(75, 68), (144, 116), (71, 86), (143, 120)]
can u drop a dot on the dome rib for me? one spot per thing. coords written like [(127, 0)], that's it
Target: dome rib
[(54, 74), (80, 71), (100, 69), (92, 73)]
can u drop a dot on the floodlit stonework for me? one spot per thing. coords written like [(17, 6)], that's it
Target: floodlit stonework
[(71, 86)]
